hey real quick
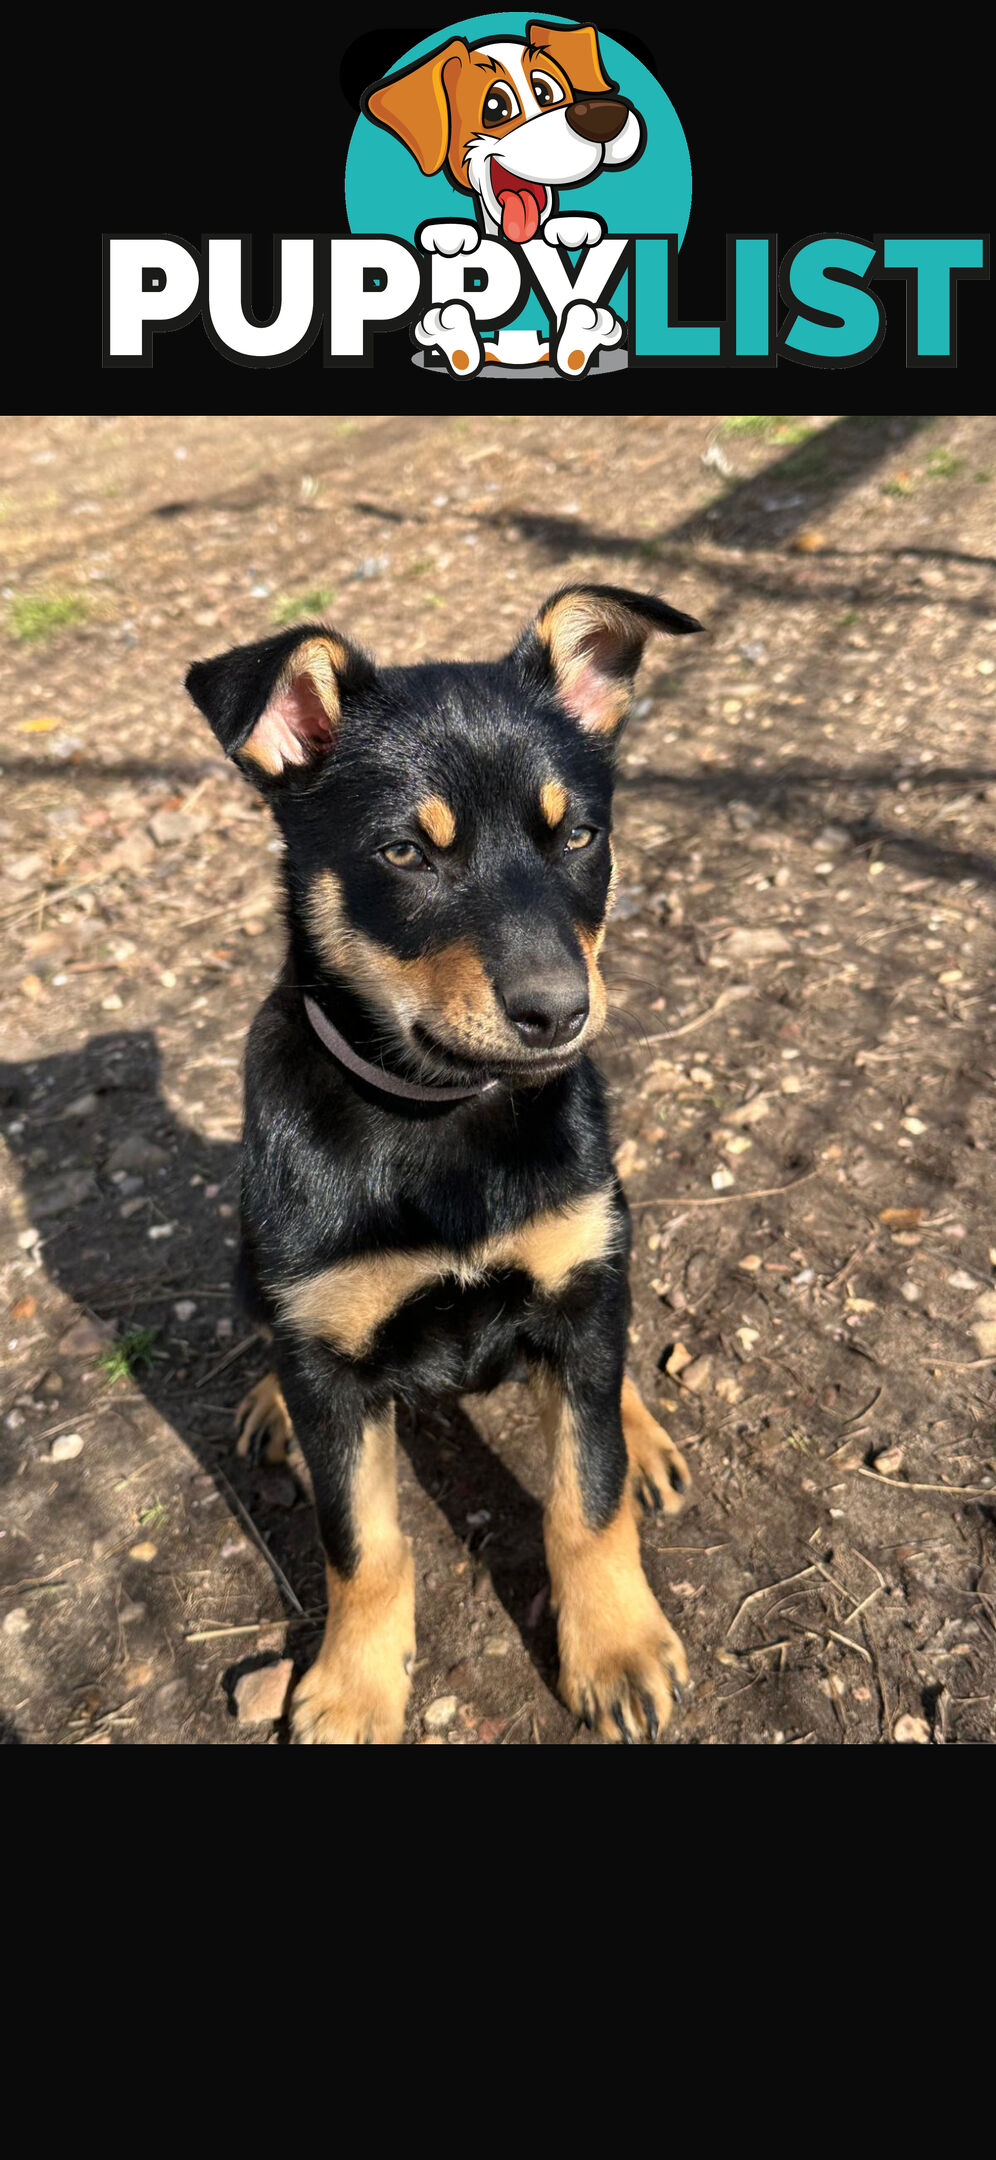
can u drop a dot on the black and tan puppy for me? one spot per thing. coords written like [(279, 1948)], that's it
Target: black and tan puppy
[(428, 1193)]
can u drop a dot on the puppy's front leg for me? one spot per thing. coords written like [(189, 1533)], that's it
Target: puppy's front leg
[(621, 1663), (357, 1689)]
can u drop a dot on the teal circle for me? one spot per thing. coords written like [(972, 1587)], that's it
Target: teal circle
[(387, 193)]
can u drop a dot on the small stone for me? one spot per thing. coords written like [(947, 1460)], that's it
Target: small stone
[(890, 1461), (721, 1179), (57, 1195), (261, 1696), (698, 1375), (679, 1358), (629, 1158), (86, 1338), (440, 1713), (82, 1106), (112, 1002), (51, 1384), (961, 1280), (495, 1646), (185, 1308), (907, 1729), (985, 1336), (17, 1621), (131, 1612), (985, 1305), (750, 1263), (66, 1448), (29, 1238), (24, 1308), (158, 1230), (134, 1152), (145, 1551), (755, 944), (136, 1675)]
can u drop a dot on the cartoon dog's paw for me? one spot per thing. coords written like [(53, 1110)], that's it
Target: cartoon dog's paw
[(659, 1474), (585, 331), (452, 328), (574, 232), (262, 1422), (448, 237), (622, 1667)]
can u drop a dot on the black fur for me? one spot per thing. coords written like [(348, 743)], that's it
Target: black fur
[(335, 1168)]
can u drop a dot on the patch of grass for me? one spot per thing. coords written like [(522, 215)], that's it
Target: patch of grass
[(943, 466), (301, 607), (770, 427), (980, 478), (849, 617), (152, 1518), (421, 564), (125, 1357), (903, 485), (37, 616)]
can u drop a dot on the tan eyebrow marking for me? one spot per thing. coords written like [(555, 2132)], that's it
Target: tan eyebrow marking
[(437, 819), (553, 802)]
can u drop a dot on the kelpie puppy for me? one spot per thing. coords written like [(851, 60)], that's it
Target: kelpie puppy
[(428, 1195)]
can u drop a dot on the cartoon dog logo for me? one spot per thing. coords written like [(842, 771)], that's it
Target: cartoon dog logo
[(513, 120)]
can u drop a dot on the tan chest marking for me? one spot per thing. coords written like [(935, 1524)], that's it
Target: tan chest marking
[(348, 1303)]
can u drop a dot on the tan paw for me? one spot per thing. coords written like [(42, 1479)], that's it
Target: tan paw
[(356, 1692), (262, 1416), (624, 1686), (659, 1475)]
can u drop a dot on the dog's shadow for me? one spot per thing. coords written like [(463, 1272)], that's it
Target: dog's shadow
[(127, 1246)]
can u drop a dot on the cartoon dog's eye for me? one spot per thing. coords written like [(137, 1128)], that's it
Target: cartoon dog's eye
[(404, 855), (500, 104), (581, 836), (546, 91)]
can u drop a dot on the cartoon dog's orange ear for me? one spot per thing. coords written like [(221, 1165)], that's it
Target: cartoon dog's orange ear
[(576, 51), (415, 107)]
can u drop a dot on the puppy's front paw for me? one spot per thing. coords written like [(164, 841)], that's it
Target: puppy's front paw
[(450, 236), (356, 1692), (622, 1670), (574, 232)]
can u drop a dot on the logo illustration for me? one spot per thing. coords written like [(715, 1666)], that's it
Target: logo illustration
[(517, 194), (513, 121)]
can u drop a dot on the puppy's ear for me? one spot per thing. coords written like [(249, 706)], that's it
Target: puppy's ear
[(415, 106), (576, 51), (278, 706), (589, 639)]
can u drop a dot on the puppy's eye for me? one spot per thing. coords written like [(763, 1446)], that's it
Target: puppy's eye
[(580, 836), (500, 104), (546, 91), (404, 855)]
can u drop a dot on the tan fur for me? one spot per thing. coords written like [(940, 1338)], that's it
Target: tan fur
[(348, 1303), (582, 634), (574, 53), (448, 989), (357, 1689), (317, 658), (617, 1651), (437, 106), (436, 817), (652, 1454), (264, 1410), (553, 802)]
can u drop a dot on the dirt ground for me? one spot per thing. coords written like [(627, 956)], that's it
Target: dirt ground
[(800, 966)]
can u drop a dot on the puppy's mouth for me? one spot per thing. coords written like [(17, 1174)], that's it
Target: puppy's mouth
[(533, 1066), (521, 202)]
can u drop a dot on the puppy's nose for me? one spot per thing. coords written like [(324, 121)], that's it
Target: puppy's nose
[(547, 1013), (597, 119)]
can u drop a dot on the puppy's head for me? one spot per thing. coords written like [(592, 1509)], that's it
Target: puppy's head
[(511, 119), (448, 858)]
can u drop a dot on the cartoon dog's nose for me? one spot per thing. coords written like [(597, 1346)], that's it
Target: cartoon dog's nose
[(548, 1012), (598, 119)]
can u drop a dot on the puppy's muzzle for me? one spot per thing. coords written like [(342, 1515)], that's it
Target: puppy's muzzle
[(597, 119)]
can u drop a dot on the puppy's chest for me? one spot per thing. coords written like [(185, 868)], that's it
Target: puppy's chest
[(347, 1303)]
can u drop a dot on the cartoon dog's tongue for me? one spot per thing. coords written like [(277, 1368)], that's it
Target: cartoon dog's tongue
[(520, 202)]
